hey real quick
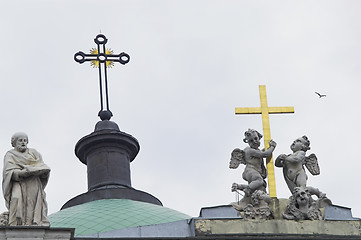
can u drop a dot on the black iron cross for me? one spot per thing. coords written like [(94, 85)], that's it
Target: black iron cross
[(102, 57)]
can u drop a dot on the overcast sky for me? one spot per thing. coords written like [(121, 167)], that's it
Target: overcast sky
[(192, 62)]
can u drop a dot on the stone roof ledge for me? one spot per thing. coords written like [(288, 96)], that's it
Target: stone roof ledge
[(34, 232)]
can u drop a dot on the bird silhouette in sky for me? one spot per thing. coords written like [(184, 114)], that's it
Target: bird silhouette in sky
[(320, 95)]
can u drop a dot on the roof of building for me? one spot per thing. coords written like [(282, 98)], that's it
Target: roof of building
[(112, 214)]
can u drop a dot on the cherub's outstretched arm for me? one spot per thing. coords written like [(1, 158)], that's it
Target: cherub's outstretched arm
[(266, 153)]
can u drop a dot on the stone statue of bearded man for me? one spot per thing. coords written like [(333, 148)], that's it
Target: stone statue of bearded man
[(25, 176)]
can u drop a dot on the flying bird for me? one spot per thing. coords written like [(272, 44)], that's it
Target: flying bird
[(320, 95)]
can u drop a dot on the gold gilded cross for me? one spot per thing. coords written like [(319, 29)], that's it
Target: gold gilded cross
[(265, 110)]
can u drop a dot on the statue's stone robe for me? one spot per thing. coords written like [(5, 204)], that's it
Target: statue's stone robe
[(25, 197)]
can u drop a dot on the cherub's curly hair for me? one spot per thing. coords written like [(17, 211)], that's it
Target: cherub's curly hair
[(297, 191), (307, 143), (249, 132)]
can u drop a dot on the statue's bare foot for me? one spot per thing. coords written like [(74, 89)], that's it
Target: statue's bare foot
[(245, 188), (322, 195), (19, 222), (242, 187)]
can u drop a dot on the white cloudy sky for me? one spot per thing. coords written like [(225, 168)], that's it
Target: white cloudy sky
[(192, 62)]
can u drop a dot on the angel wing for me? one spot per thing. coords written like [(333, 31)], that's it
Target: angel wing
[(312, 164), (237, 157)]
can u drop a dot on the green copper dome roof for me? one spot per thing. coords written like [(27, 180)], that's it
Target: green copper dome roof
[(112, 214)]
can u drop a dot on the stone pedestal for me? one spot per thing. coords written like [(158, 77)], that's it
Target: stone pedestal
[(36, 233), (227, 223), (211, 227)]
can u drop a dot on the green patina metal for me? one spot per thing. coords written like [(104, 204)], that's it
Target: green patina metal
[(112, 214)]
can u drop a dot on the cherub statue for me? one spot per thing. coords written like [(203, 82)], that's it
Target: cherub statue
[(255, 171), (293, 164), (303, 207)]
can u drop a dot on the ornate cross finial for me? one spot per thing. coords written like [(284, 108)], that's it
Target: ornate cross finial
[(265, 110), (102, 58)]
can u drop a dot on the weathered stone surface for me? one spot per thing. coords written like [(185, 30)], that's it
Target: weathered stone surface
[(36, 233), (204, 227), (255, 206), (278, 206)]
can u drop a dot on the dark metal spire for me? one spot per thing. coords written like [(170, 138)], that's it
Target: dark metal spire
[(102, 58)]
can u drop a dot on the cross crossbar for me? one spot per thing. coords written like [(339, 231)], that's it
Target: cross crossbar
[(258, 110)]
